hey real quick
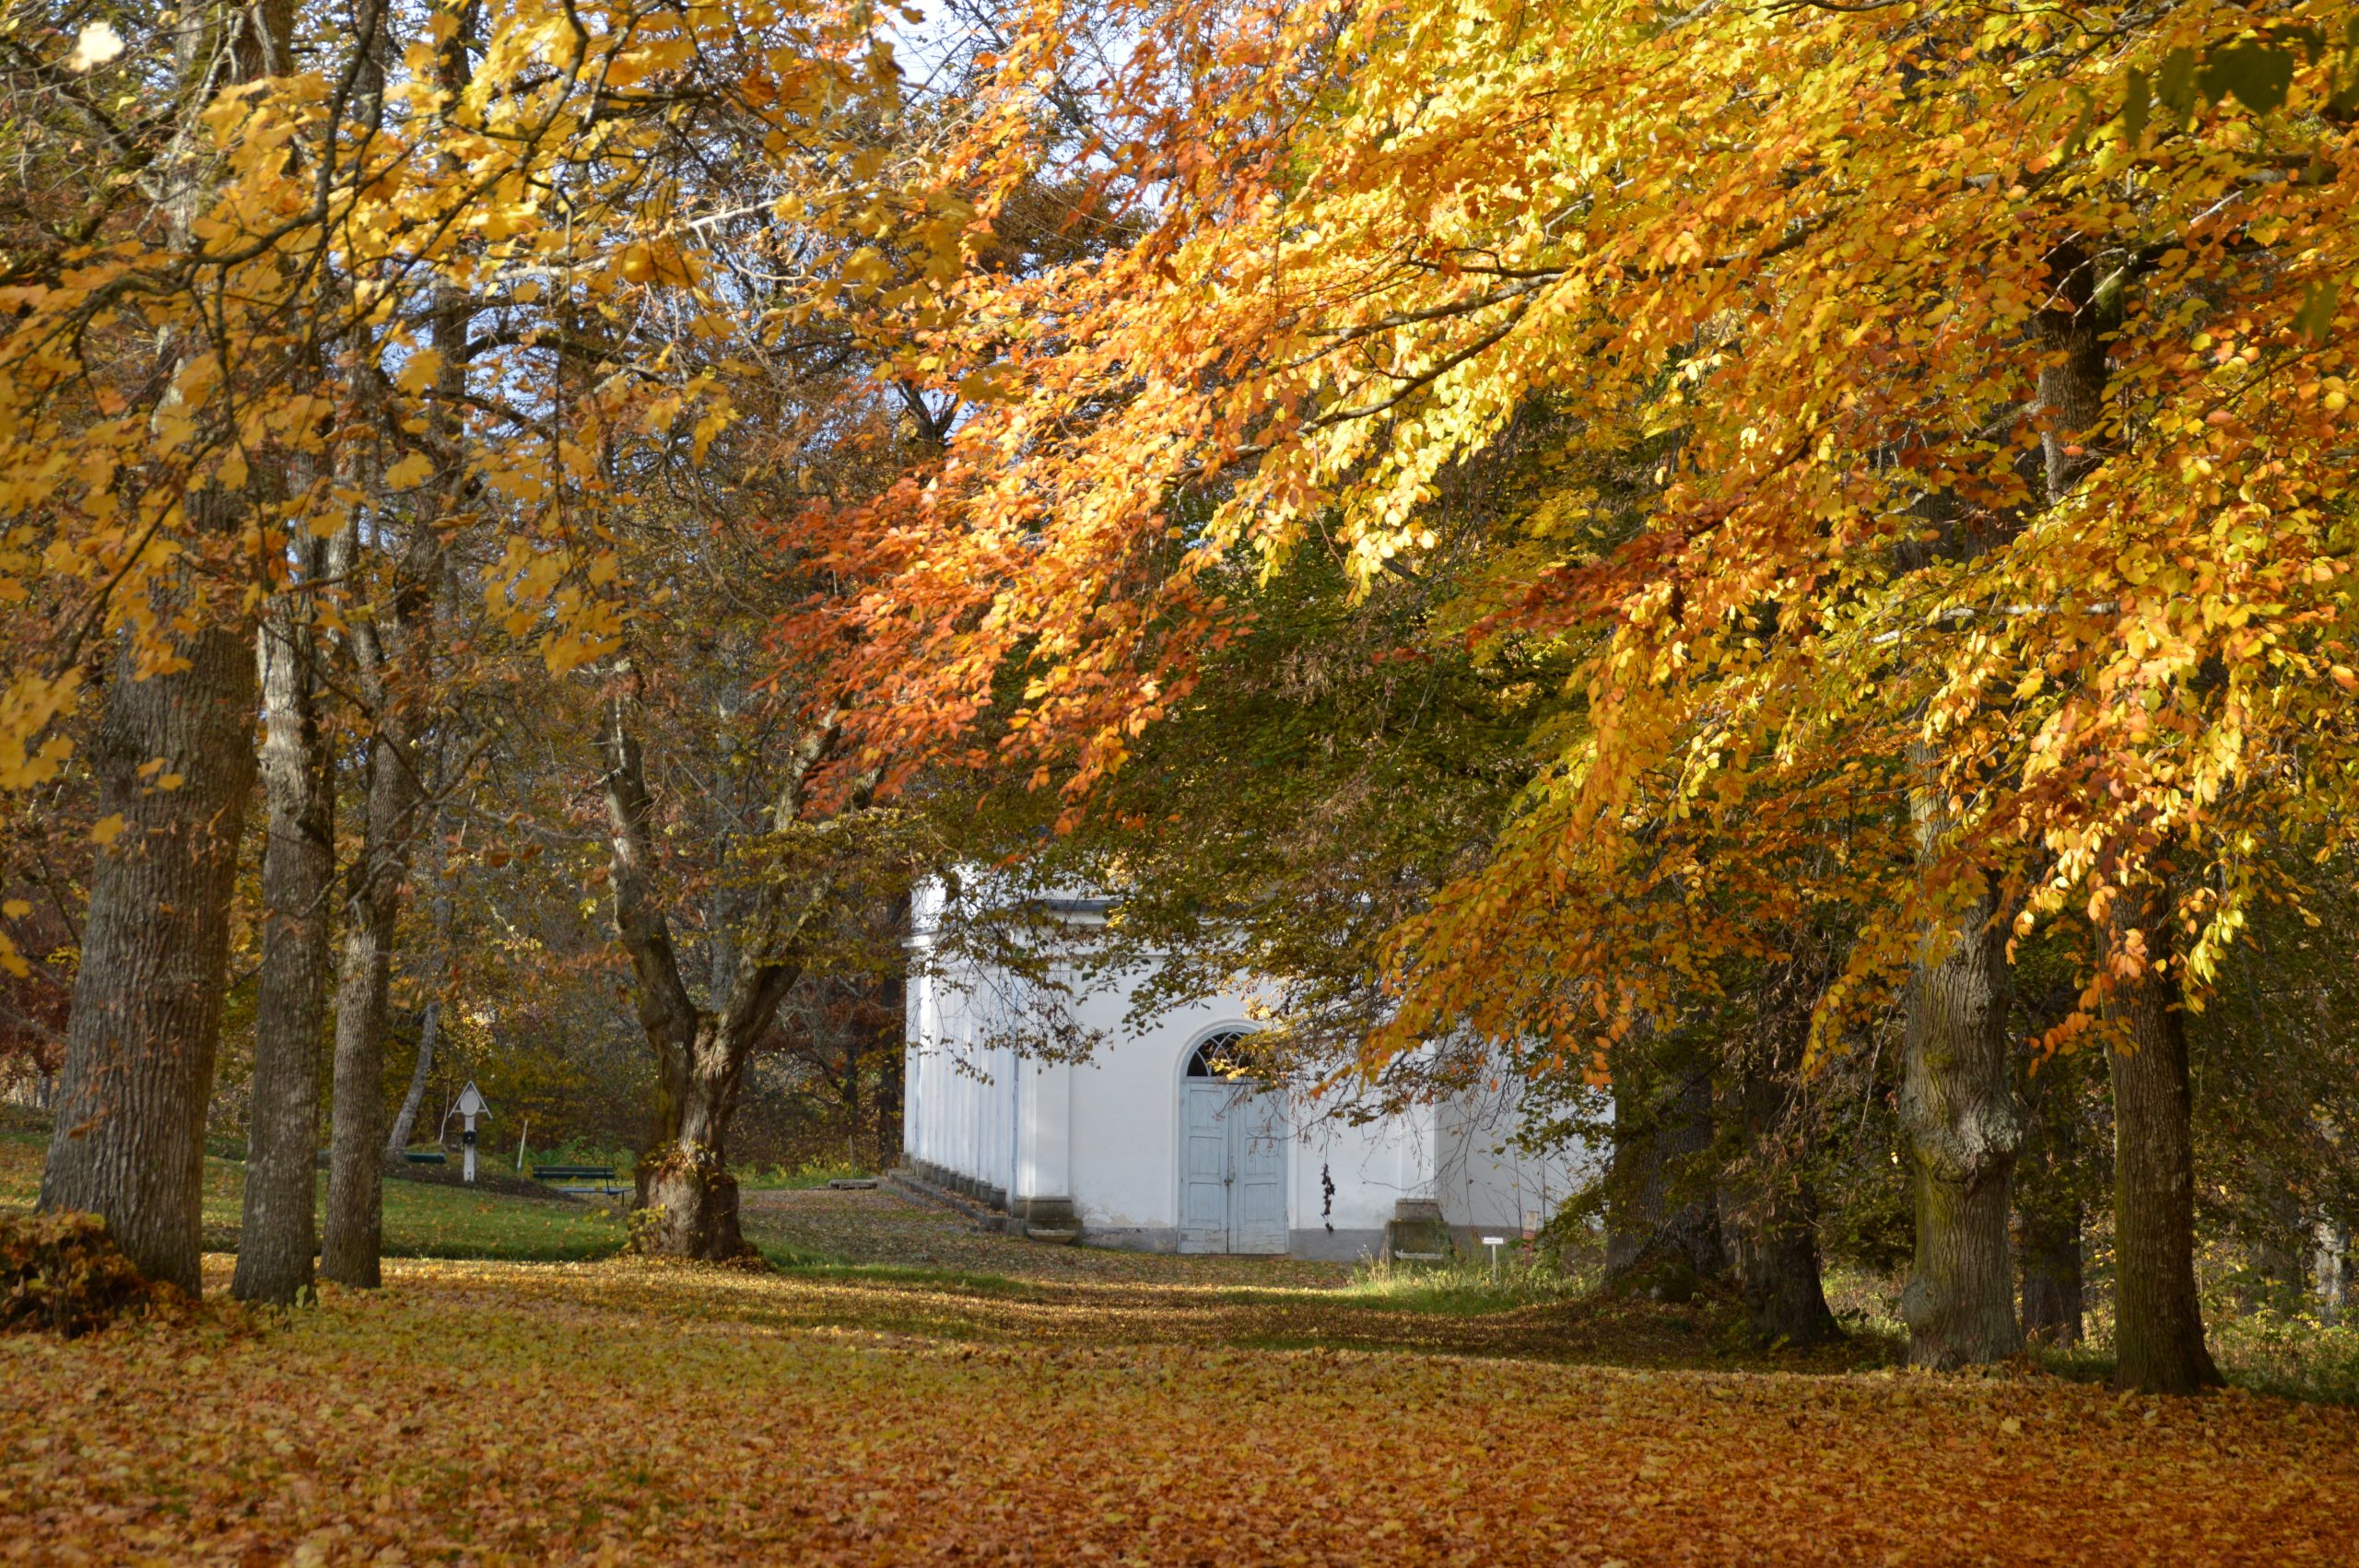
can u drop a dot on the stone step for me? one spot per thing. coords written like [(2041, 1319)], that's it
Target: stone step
[(910, 1184)]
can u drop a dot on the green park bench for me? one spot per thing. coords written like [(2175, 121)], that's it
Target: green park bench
[(569, 1178), (425, 1156)]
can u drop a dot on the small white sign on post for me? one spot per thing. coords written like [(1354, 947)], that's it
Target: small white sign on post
[(470, 1105), (1494, 1243)]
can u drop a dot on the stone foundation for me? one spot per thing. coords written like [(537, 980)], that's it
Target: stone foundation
[(1418, 1233)]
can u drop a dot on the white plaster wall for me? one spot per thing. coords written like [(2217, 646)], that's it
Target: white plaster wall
[(1126, 1109), (960, 1102), (1484, 1182), (1105, 1132), (1374, 1166)]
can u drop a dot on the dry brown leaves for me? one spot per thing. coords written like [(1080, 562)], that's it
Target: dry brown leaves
[(626, 1411)]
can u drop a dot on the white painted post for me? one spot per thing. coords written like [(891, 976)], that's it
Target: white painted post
[(470, 1106)]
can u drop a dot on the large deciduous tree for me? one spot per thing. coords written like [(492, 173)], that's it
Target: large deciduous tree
[(316, 288), (174, 754), (2070, 288)]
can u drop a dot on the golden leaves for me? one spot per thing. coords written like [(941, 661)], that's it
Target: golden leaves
[(307, 372), (1819, 251), (514, 1412)]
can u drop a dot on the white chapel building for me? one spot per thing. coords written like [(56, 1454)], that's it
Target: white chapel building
[(1148, 1145)]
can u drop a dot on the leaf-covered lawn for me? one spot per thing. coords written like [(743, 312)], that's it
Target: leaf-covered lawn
[(422, 1219), (877, 1227), (628, 1411)]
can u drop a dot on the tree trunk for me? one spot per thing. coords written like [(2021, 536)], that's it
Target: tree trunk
[(393, 653), (2330, 1268), (430, 1027), (2158, 1321), (892, 1050), (687, 1199), (1957, 1108), (129, 1142), (2072, 373), (276, 1236), (2049, 1209), (1773, 1213), (2048, 1247), (355, 1235), (405, 1119), (1958, 1103), (1662, 1217), (1778, 1274)]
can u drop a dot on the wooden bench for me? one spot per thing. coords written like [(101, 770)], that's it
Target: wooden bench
[(425, 1156), (565, 1178)]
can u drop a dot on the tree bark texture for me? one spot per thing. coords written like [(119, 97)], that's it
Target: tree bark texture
[(2048, 1208), (687, 1198), (129, 1142), (1771, 1210), (1663, 1216), (1957, 1108), (2158, 1320), (276, 1236), (405, 1126), (174, 759)]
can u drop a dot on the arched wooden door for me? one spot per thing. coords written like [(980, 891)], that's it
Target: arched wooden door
[(1232, 1159)]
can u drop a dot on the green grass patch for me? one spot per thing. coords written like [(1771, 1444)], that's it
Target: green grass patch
[(422, 1219), (798, 1179), (1464, 1288)]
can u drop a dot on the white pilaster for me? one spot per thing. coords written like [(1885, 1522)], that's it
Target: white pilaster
[(1044, 1130)]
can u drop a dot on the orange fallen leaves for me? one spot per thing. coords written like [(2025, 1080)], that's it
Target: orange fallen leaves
[(625, 1411)]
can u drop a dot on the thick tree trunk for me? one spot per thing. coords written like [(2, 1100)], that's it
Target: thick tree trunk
[(1773, 1213), (2049, 1251), (1957, 1101), (2049, 1209), (1778, 1274), (1957, 1108), (276, 1236), (129, 1143), (687, 1199), (2158, 1321), (1663, 1216)]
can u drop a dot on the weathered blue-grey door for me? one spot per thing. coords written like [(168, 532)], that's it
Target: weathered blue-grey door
[(1257, 1197), (1203, 1167), (1232, 1160)]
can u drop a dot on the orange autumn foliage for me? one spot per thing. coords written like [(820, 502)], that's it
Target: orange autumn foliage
[(1822, 261)]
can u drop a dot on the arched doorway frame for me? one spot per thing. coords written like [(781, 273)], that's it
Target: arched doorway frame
[(1256, 1205)]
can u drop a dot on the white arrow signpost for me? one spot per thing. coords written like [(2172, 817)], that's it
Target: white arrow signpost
[(470, 1105)]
